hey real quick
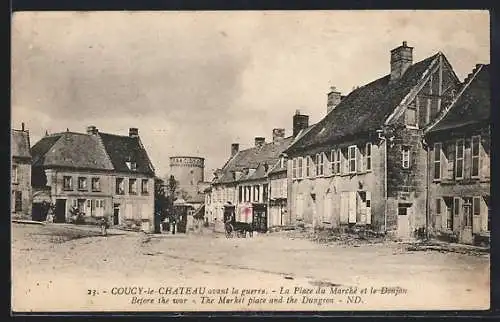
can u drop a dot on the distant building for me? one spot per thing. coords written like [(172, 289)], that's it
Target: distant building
[(21, 173), (189, 172), (251, 176), (459, 158), (100, 174)]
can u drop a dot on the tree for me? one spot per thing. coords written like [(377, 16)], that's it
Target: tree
[(172, 189), (161, 203), (172, 185)]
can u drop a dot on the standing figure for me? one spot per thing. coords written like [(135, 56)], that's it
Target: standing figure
[(104, 226)]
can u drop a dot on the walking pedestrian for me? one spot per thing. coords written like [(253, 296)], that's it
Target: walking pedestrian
[(104, 226)]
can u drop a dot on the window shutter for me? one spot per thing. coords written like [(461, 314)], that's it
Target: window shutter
[(344, 207), (368, 208), (352, 207), (450, 149), (484, 157)]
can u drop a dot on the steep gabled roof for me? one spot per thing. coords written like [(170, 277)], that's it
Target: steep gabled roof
[(254, 158), (70, 149), (365, 109), (472, 104), (97, 152), (20, 144), (122, 149)]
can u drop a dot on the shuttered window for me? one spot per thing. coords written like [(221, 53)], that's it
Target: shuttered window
[(437, 161), (476, 206), (319, 164), (459, 159), (475, 156), (300, 166), (352, 159), (308, 167), (368, 156)]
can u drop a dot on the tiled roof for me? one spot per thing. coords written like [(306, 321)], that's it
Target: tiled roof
[(20, 144), (471, 106), (124, 148), (364, 109), (69, 149), (98, 152), (254, 158)]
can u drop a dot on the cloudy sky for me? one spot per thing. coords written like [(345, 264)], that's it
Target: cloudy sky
[(195, 82)]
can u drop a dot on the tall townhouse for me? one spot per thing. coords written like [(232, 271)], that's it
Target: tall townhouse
[(100, 174), (458, 143), (251, 178), (363, 163), (20, 173)]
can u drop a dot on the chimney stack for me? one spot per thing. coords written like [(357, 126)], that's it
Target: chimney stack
[(259, 141), (133, 132), (235, 147), (401, 59), (91, 129), (22, 126), (300, 122), (278, 134), (334, 98)]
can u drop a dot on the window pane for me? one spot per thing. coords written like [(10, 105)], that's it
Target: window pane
[(438, 206), (460, 148), (437, 170), (475, 146), (460, 168), (475, 167), (477, 206), (437, 152)]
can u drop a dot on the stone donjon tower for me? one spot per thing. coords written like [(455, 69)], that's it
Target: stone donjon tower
[(188, 171)]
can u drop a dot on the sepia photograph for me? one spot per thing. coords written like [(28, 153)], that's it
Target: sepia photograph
[(215, 161)]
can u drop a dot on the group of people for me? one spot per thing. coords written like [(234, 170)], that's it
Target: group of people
[(103, 222)]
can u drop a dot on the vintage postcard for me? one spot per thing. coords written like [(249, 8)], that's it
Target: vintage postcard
[(250, 161)]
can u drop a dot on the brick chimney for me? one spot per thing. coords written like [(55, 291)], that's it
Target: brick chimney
[(133, 132), (91, 130), (334, 98), (235, 147), (278, 134), (300, 122), (401, 59), (259, 141)]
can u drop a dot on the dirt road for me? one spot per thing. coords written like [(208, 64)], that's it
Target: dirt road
[(55, 267)]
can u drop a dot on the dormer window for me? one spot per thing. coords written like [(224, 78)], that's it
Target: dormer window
[(132, 165)]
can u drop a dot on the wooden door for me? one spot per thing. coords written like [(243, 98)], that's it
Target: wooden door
[(116, 215), (60, 211), (404, 221), (466, 229)]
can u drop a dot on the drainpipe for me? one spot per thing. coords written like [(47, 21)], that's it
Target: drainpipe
[(428, 180), (385, 185), (381, 136)]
